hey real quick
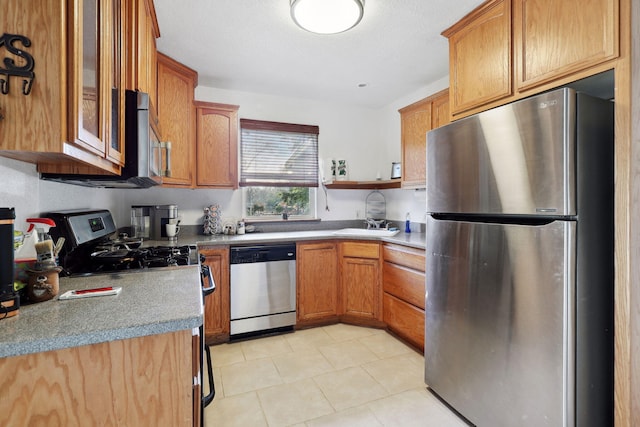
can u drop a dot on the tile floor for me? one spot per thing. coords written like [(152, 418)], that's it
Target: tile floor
[(338, 375)]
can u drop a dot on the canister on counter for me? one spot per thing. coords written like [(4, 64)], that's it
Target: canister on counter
[(9, 299), (43, 284)]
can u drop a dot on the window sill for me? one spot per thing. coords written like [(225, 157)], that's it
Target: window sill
[(363, 185), (256, 221)]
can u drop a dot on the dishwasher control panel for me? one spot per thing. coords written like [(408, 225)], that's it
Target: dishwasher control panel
[(262, 253)]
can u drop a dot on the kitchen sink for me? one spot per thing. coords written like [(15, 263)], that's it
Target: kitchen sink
[(381, 232)]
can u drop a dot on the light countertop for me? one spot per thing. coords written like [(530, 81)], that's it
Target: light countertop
[(152, 301), (416, 240)]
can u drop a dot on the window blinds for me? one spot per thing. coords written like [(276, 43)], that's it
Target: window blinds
[(278, 154)]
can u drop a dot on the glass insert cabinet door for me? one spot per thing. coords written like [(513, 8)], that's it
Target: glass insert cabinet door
[(97, 88)]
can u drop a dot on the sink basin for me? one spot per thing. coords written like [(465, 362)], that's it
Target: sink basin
[(381, 232)]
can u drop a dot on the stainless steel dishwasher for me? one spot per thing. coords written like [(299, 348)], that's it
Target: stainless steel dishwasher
[(263, 288)]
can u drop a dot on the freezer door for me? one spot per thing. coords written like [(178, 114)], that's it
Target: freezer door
[(499, 334), (515, 159)]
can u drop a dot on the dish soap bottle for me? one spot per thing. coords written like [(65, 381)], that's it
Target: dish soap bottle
[(407, 224)]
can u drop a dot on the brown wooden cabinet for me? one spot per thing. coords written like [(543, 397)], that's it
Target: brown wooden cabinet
[(440, 114), (69, 121), (556, 38), (317, 283), (141, 51), (352, 281), (216, 145), (404, 292), (415, 121), (176, 113), (480, 56), (96, 79), (505, 50), (361, 291), (216, 305), (145, 381)]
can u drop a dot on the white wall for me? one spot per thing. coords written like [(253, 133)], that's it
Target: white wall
[(22, 189), (19, 189), (354, 134), (368, 139), (349, 133)]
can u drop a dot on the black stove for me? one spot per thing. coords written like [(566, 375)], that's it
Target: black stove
[(93, 245), (89, 259)]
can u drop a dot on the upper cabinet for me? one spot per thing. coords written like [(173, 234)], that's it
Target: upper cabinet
[(415, 121), (141, 52), (70, 121), (216, 145), (97, 85), (480, 56), (440, 109), (203, 135), (510, 49), (176, 113), (556, 38)]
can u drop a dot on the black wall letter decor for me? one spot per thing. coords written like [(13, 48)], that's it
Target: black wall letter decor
[(25, 71)]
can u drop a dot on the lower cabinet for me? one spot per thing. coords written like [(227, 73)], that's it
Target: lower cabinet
[(404, 319), (357, 282), (403, 278), (216, 305), (360, 283), (143, 381), (317, 283)]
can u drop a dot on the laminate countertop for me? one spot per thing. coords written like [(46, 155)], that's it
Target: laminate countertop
[(152, 301), (415, 240)]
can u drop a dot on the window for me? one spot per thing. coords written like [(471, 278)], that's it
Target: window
[(278, 169)]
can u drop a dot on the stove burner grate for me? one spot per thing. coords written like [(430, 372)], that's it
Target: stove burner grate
[(129, 259)]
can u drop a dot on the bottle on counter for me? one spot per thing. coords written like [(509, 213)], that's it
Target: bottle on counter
[(240, 227), (407, 224)]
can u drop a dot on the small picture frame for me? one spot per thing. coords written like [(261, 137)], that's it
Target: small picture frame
[(396, 170)]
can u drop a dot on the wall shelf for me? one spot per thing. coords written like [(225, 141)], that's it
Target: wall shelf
[(363, 185)]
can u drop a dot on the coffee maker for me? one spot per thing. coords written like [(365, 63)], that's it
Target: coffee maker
[(148, 221)]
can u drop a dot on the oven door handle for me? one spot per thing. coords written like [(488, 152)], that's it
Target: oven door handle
[(205, 274), (206, 400)]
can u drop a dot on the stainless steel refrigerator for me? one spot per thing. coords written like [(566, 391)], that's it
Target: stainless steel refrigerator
[(519, 285)]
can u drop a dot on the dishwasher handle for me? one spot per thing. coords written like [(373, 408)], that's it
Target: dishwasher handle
[(262, 253)]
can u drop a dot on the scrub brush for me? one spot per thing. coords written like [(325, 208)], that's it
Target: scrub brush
[(44, 251)]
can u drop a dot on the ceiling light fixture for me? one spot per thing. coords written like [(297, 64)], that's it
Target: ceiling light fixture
[(327, 16)]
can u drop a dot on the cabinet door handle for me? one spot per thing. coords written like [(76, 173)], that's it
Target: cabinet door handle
[(167, 147)]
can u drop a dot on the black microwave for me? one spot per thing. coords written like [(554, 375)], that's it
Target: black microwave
[(144, 163)]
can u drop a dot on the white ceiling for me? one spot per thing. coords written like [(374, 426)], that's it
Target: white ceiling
[(254, 46)]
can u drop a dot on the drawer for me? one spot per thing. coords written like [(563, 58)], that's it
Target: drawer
[(402, 255), (404, 319), (404, 283), (360, 250)]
